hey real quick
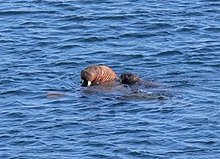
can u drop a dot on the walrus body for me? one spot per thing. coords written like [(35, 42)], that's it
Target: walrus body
[(104, 79), (105, 76)]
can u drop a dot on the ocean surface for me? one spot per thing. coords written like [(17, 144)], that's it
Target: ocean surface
[(46, 114)]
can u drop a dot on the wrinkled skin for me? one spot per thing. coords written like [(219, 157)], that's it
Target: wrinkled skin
[(97, 74)]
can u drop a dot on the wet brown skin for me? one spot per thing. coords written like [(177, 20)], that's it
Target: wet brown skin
[(132, 79), (129, 78), (97, 74)]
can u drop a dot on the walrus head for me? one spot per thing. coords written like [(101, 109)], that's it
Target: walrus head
[(96, 74), (129, 78)]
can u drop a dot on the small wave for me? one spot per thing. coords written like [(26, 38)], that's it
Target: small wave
[(75, 18), (71, 63), (116, 17), (16, 115), (132, 56), (158, 26), (22, 12), (192, 14), (188, 30), (169, 53), (213, 29), (92, 39), (15, 92), (68, 46), (136, 35)]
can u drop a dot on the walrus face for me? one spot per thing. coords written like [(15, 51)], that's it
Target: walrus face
[(129, 78), (87, 78), (97, 74)]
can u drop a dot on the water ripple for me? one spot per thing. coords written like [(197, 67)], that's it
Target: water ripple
[(46, 43)]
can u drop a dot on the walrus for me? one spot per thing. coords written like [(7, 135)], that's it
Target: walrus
[(129, 78), (105, 80), (133, 79), (97, 74)]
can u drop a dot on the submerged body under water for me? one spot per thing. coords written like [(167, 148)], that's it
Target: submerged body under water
[(44, 46), (145, 90)]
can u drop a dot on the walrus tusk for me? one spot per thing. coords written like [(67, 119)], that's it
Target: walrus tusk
[(89, 83)]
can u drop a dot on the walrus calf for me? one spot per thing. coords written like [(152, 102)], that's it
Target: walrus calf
[(134, 80), (97, 74), (129, 78)]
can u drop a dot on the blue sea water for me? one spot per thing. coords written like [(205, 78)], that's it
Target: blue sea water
[(44, 44)]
